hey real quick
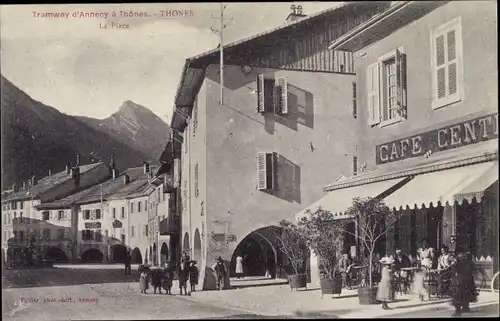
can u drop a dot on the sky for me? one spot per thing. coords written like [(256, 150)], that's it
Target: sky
[(81, 68)]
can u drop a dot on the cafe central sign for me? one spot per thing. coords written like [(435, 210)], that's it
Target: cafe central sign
[(461, 134)]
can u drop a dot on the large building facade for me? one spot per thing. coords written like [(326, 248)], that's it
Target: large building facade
[(282, 132), (428, 126)]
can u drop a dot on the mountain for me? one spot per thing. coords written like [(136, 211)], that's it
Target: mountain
[(136, 126), (37, 138)]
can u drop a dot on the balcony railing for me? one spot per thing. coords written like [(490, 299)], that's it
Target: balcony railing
[(170, 225)]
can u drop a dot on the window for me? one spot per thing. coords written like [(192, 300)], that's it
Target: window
[(60, 215), (45, 215), (131, 207), (113, 210), (132, 231), (196, 190), (14, 205), (354, 165), (123, 212), (447, 68), (97, 214), (146, 230), (266, 171), (21, 205), (86, 214), (98, 236), (139, 206), (15, 215), (195, 116), (146, 204), (272, 95), (354, 101), (386, 89)]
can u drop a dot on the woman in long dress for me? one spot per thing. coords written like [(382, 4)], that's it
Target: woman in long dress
[(144, 279), (425, 259), (385, 292), (239, 267), (463, 288)]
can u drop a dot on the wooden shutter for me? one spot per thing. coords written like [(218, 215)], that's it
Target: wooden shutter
[(260, 94), (373, 98), (440, 67), (283, 96), (401, 82), (261, 171), (451, 45), (354, 101)]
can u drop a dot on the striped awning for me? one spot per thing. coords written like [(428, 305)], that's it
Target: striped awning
[(339, 200), (446, 186)]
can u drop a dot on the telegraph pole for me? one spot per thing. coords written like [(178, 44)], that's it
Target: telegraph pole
[(221, 49)]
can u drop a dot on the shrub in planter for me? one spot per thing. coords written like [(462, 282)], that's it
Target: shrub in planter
[(373, 219), (324, 236), (292, 243)]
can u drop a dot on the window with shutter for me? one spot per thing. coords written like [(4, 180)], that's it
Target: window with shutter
[(447, 68), (372, 102), (266, 171), (265, 94), (354, 101), (260, 94), (282, 96)]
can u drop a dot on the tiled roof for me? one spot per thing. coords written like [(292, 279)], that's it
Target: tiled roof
[(93, 194), (47, 183)]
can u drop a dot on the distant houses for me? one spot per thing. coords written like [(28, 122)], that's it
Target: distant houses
[(89, 214)]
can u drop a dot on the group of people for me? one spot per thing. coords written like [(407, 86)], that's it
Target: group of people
[(163, 278), (454, 275)]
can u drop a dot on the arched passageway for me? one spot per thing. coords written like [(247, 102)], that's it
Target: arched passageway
[(136, 256), (56, 254), (92, 256), (185, 243), (197, 246), (155, 255), (163, 253), (261, 254), (118, 253)]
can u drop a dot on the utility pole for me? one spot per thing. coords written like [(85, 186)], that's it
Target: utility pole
[(221, 49)]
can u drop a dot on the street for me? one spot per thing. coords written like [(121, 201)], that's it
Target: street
[(482, 311), (110, 301)]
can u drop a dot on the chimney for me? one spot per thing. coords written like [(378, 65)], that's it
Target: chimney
[(112, 162), (126, 179), (150, 174), (114, 172), (34, 181), (77, 160), (68, 169), (296, 14), (50, 172), (146, 167), (24, 186), (14, 187)]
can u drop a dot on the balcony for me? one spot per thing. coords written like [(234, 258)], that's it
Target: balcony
[(170, 225)]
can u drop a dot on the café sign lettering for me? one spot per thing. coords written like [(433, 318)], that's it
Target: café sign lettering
[(461, 134)]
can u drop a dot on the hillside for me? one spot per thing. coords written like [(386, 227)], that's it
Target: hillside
[(37, 137)]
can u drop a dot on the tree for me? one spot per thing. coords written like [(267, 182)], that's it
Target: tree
[(324, 236), (292, 243), (373, 219)]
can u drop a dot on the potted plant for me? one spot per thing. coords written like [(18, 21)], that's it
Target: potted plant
[(292, 243), (372, 218), (325, 237)]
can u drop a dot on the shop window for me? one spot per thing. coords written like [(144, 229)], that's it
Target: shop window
[(266, 171), (386, 88), (447, 68)]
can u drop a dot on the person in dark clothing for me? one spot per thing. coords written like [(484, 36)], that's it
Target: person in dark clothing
[(220, 273), (127, 262), (463, 289), (183, 273), (156, 278), (168, 277), (193, 275), (344, 268)]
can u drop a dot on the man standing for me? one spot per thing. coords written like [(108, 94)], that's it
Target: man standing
[(127, 261), (220, 273), (344, 267)]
